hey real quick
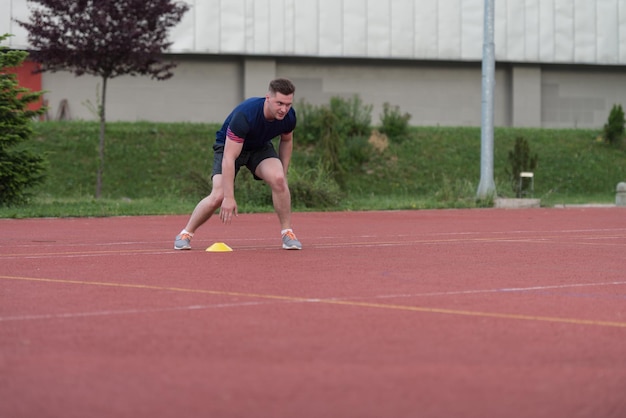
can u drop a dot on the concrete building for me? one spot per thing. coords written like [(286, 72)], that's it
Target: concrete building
[(560, 63)]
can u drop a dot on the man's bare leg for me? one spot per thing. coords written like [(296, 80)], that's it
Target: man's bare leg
[(271, 170), (201, 213)]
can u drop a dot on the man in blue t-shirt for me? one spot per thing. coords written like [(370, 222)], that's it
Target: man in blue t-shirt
[(245, 140)]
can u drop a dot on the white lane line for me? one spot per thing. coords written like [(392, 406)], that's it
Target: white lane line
[(129, 311)]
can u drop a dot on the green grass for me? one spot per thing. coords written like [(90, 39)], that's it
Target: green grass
[(157, 168), (444, 164), (143, 160)]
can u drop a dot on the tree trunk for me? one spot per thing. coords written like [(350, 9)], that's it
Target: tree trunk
[(102, 113)]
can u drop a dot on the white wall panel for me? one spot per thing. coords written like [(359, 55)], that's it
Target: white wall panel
[(622, 31), (515, 30), (289, 23), (306, 36), (564, 31), (472, 28), (501, 28), (14, 9), (330, 28), (402, 28), (183, 36), (545, 31), (355, 28), (5, 19), (531, 25), (585, 31), (207, 26), (426, 29), (232, 25), (258, 26), (280, 27), (378, 28), (608, 24), (449, 29)]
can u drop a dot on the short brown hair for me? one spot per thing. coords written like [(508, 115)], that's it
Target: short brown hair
[(282, 86)]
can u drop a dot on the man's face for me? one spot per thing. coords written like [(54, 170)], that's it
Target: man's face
[(278, 105)]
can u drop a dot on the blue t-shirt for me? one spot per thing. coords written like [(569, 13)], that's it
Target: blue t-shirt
[(247, 124)]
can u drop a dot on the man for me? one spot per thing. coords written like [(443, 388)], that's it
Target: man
[(245, 140)]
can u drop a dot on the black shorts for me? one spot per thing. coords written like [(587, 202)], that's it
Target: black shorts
[(251, 158)]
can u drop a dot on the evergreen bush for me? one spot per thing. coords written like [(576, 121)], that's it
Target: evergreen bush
[(20, 168), (521, 160), (614, 128), (314, 187), (336, 132), (395, 124)]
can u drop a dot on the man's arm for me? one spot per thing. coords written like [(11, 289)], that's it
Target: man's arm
[(232, 150), (285, 148)]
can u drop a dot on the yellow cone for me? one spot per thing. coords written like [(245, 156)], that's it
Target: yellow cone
[(219, 247)]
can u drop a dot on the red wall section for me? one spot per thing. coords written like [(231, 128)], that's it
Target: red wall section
[(31, 81)]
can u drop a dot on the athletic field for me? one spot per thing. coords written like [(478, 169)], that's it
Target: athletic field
[(434, 313)]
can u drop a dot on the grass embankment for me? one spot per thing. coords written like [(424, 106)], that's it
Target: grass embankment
[(153, 168)]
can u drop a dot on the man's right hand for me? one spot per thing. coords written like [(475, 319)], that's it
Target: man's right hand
[(228, 209)]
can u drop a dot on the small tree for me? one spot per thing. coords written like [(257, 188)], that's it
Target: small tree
[(20, 169), (105, 38), (521, 160), (614, 128), (395, 124)]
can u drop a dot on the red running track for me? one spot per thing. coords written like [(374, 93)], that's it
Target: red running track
[(443, 313)]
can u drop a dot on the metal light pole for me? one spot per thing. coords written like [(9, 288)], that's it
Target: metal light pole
[(487, 187)]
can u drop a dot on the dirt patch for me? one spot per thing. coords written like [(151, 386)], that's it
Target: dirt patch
[(379, 141)]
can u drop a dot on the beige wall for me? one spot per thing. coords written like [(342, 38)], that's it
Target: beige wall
[(205, 89), (525, 95), (580, 97), (201, 90), (434, 94)]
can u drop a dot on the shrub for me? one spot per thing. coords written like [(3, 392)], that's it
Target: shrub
[(314, 187), (310, 188), (20, 168), (345, 117), (353, 117), (308, 130), (614, 128), (394, 124), (521, 160), (336, 131)]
